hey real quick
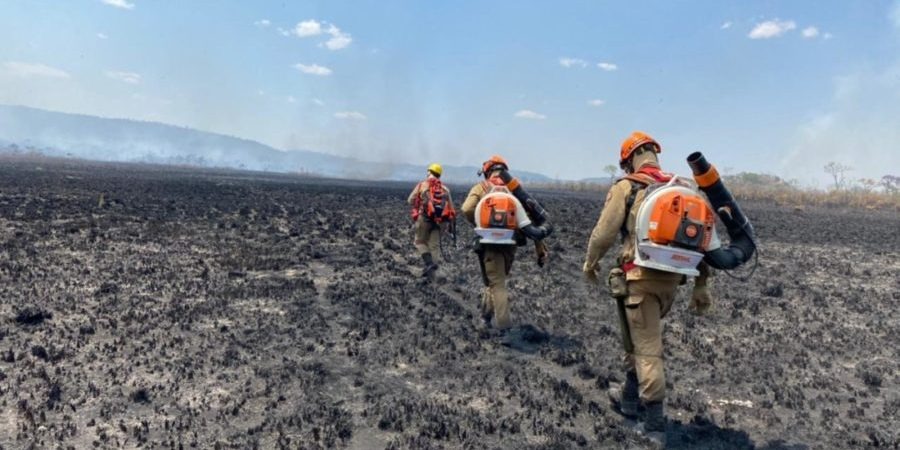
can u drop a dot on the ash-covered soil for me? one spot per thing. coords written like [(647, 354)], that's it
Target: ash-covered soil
[(167, 308)]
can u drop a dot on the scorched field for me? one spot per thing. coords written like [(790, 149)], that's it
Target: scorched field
[(150, 307)]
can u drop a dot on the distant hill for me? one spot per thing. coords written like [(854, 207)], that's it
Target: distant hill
[(123, 140), (597, 180)]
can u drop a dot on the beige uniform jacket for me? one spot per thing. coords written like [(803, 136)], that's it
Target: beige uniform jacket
[(608, 228), (468, 206)]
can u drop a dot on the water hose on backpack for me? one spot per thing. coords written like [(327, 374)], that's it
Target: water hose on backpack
[(740, 231)]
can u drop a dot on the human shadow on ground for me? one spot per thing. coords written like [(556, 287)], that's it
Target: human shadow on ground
[(527, 338), (702, 433)]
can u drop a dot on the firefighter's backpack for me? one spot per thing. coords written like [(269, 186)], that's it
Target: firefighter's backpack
[(496, 216), (436, 208), (673, 227)]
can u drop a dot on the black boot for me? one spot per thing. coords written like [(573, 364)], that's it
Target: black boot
[(430, 266), (625, 397), (654, 425)]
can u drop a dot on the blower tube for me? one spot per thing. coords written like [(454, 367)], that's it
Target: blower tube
[(535, 211), (537, 233), (742, 245)]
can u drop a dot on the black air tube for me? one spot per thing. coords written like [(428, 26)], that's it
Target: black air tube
[(742, 245), (535, 211), (538, 233)]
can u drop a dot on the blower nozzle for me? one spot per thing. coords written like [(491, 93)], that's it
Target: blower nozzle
[(742, 245)]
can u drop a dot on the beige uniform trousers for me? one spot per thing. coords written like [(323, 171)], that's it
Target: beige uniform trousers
[(648, 302), (498, 260), (428, 238)]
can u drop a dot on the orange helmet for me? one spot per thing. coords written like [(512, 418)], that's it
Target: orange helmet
[(633, 142), (490, 164)]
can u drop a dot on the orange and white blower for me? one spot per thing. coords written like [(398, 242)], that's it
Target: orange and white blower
[(674, 227)]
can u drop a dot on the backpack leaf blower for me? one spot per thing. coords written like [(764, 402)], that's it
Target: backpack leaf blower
[(740, 231), (673, 228)]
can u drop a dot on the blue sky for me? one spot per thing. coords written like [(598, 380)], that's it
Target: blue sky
[(768, 86)]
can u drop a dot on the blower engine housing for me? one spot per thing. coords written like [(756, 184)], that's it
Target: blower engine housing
[(674, 226)]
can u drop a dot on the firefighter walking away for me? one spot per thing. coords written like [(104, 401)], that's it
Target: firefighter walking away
[(433, 214), (643, 295), (504, 217)]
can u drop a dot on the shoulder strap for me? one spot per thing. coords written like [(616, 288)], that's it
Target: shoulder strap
[(639, 177), (637, 183)]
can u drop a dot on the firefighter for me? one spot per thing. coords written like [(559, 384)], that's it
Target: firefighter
[(497, 243), (643, 295), (432, 212)]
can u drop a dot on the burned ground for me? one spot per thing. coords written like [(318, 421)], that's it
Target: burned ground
[(166, 308)]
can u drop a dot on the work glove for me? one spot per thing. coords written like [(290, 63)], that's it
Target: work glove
[(590, 273), (542, 252), (701, 302)]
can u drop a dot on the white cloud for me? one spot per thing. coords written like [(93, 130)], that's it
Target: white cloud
[(260, 92), (338, 40), (827, 36), (596, 102), (28, 70), (119, 4), (318, 102), (308, 28), (529, 114), (771, 28), (125, 77), (262, 23), (291, 99), (810, 32), (609, 67), (313, 69), (284, 32), (102, 36), (350, 115), (570, 62), (725, 26)]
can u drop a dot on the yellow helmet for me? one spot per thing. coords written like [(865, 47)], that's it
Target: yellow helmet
[(436, 169)]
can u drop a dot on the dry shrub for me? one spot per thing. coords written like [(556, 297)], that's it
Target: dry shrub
[(800, 198), (768, 188)]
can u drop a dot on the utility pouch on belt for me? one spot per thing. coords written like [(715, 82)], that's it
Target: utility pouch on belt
[(618, 285)]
